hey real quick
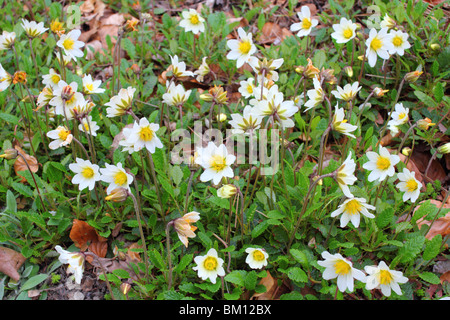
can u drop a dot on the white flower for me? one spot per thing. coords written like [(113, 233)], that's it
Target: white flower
[(275, 105), (399, 115), (306, 24), (5, 79), (202, 70), (381, 165), (399, 42), (51, 79), (247, 87), (344, 31), (70, 44), (68, 93), (242, 49), (209, 266), (409, 185), (44, 97), (246, 123), (88, 125), (116, 176), (192, 21), (184, 228), (256, 258), (7, 40), (179, 68), (336, 266), (91, 86), (316, 95), (176, 95), (62, 137), (351, 210), (340, 124), (142, 135), (347, 93), (75, 261), (120, 103), (268, 66), (345, 175), (86, 173), (381, 277), (33, 29), (387, 22), (216, 162), (378, 44)]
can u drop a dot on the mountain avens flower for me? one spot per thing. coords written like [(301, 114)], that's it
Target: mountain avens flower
[(385, 279), (209, 266)]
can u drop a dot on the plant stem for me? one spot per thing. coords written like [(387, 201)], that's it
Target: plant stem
[(169, 258), (141, 231), (155, 181), (35, 64), (34, 180)]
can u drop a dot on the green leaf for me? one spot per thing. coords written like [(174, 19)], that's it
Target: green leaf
[(34, 281), (385, 217), (297, 274), (176, 174), (432, 247), (251, 280), (427, 100), (184, 262), (156, 259), (22, 189), (411, 248), (430, 277), (11, 204), (438, 92), (300, 257), (236, 277), (129, 47), (12, 119), (260, 228)]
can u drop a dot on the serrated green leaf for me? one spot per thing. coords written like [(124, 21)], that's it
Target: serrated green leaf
[(432, 247), (297, 274), (300, 257), (184, 262), (236, 277), (427, 100), (430, 277), (156, 258)]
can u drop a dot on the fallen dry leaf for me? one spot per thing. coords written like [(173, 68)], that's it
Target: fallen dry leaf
[(445, 277), (85, 236), (10, 262), (439, 226), (21, 165), (273, 290)]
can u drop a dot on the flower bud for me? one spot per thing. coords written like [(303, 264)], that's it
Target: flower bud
[(310, 70), (9, 154), (19, 77), (413, 76), (445, 148), (221, 117), (125, 287), (117, 195), (226, 191), (348, 71), (378, 92), (406, 151), (435, 47), (424, 124)]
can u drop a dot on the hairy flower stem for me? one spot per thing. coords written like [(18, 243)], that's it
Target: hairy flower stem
[(186, 200), (392, 108), (34, 180), (155, 181), (312, 187), (138, 212), (324, 138), (33, 56), (169, 258)]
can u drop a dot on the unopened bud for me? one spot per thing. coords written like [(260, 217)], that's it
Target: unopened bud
[(424, 124), (378, 92), (348, 71), (406, 151), (226, 191), (125, 287), (413, 76), (435, 47), (20, 77), (117, 195), (221, 117), (445, 148), (9, 154)]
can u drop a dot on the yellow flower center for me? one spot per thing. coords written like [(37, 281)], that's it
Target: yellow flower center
[(258, 255), (218, 163), (87, 172), (376, 44), (210, 263), (120, 178), (411, 185), (194, 19), (353, 207), (55, 78), (402, 115), (146, 134), (62, 134), (306, 23), (250, 88), (68, 43), (244, 47), (397, 41), (383, 163), (341, 267), (90, 86), (385, 277), (348, 33)]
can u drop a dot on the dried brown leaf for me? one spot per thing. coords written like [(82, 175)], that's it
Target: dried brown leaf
[(10, 262)]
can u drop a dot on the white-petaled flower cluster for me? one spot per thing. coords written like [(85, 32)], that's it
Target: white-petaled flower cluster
[(141, 135), (378, 277)]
